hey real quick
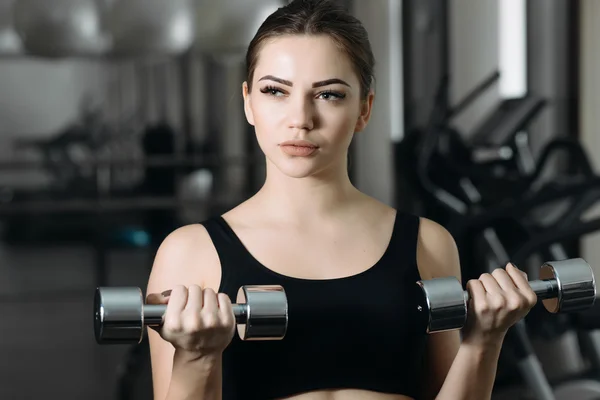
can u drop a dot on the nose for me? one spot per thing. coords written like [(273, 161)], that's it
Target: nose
[(301, 114)]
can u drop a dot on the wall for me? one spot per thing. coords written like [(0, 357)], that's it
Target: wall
[(589, 106), (474, 56), (373, 147), (550, 51)]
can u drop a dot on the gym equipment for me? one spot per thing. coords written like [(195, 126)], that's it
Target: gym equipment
[(564, 286), (10, 43), (151, 27), (474, 215), (60, 28), (228, 26), (120, 314), (72, 156)]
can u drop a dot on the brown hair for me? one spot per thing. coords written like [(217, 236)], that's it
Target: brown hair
[(318, 17)]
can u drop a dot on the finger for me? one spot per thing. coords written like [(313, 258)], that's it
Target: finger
[(504, 280), (195, 300), (178, 299), (520, 280), (513, 266), (225, 308), (210, 300), (476, 289), (490, 284), (158, 298), (518, 277)]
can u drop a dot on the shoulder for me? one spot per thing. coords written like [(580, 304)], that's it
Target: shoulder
[(186, 256), (184, 241), (437, 253)]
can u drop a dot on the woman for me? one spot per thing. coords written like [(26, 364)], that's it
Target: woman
[(348, 263)]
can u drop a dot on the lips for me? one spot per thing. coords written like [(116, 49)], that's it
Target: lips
[(298, 148), (299, 143)]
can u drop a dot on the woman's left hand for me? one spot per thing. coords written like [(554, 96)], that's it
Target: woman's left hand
[(497, 301)]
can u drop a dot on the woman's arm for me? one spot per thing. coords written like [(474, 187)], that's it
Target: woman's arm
[(472, 373), (464, 370), (195, 379), (187, 256), (437, 256)]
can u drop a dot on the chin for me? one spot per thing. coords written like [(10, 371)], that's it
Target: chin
[(297, 168), (296, 171)]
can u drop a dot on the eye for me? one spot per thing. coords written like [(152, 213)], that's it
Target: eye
[(272, 91), (331, 95)]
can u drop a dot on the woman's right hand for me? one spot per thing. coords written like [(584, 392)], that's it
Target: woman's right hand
[(198, 322)]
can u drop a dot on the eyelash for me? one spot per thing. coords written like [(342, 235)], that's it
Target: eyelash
[(269, 89)]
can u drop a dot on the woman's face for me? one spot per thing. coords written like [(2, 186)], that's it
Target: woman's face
[(305, 105)]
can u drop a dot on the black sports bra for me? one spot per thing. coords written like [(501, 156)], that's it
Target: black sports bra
[(358, 332)]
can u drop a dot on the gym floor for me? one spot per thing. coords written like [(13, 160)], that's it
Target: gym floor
[(47, 342)]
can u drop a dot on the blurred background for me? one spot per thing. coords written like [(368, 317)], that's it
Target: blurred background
[(121, 120)]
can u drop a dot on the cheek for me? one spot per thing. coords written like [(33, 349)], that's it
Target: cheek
[(341, 122), (266, 111), (268, 121)]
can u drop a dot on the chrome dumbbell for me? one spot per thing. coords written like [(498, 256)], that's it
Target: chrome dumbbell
[(563, 286), (120, 314)]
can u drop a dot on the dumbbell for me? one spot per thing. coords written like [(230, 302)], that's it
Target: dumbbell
[(563, 286), (120, 314)]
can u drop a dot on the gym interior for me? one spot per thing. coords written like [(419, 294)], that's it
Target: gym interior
[(121, 120)]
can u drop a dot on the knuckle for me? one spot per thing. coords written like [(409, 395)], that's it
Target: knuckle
[(193, 324), (228, 321), (485, 276), (178, 290), (498, 272), (195, 288), (532, 298), (482, 307), (472, 282), (210, 321), (524, 274), (195, 292), (223, 299), (515, 303), (172, 324), (498, 304)]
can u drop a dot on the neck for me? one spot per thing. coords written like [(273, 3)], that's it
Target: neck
[(302, 200)]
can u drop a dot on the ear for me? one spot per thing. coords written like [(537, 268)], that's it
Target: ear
[(366, 107), (247, 104)]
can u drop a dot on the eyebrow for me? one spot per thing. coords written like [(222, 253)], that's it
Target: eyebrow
[(314, 85)]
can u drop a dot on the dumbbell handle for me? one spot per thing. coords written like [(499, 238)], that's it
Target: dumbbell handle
[(544, 289), (154, 313)]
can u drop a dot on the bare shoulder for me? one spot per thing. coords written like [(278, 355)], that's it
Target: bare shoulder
[(186, 256), (437, 253), (375, 211)]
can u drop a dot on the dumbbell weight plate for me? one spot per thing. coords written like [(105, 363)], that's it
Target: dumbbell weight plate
[(267, 310), (576, 285), (446, 304), (118, 315)]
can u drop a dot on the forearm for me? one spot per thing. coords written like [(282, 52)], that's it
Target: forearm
[(472, 374), (195, 379)]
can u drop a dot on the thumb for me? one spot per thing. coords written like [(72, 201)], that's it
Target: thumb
[(158, 298)]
